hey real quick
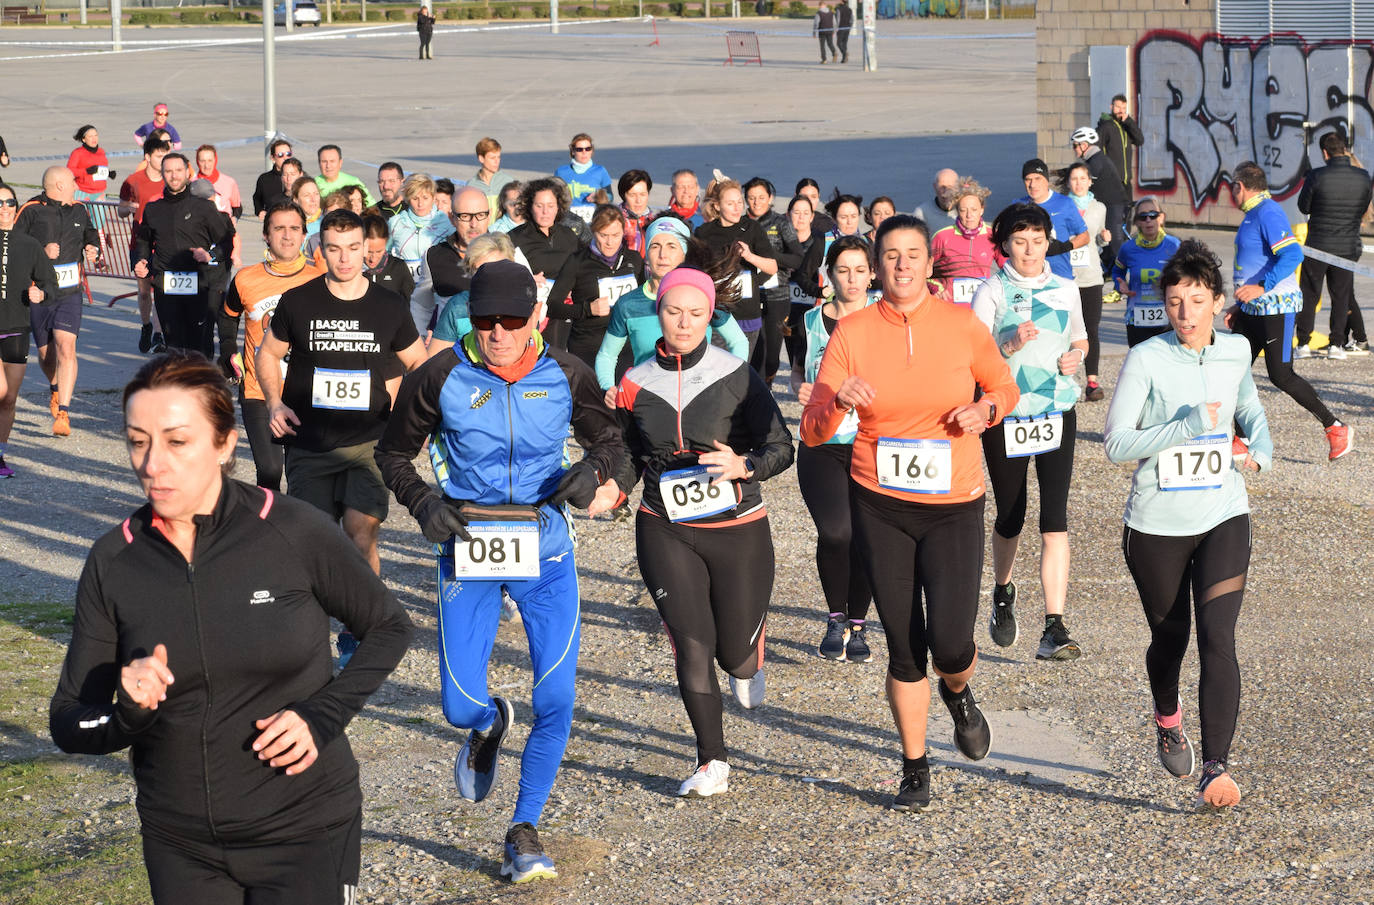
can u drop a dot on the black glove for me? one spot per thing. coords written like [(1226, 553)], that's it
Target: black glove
[(92, 170), (441, 519), (113, 174), (578, 486)]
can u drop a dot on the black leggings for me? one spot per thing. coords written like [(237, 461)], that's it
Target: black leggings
[(910, 549), (1273, 335), (268, 457), (1010, 480), (796, 336), (1091, 298), (768, 353), (183, 316), (711, 587), (1212, 567), (823, 475)]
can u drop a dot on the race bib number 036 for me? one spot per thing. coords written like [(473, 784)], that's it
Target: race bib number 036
[(498, 550), (180, 282), (1198, 464), (1033, 436), (915, 466), (349, 391), (688, 493)]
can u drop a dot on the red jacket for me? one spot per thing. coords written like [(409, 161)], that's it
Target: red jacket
[(80, 161), (957, 254)]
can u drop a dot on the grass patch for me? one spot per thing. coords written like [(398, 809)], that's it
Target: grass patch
[(41, 617)]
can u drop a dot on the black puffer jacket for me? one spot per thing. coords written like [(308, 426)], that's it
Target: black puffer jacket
[(1335, 197)]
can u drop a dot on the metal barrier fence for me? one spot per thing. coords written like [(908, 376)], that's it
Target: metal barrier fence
[(116, 240), (742, 46)]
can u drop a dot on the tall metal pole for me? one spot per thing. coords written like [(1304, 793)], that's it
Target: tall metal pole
[(83, 12), (553, 17), (870, 21), (269, 74), (116, 14), (290, 8)]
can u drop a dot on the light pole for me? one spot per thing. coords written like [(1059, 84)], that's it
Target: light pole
[(269, 74)]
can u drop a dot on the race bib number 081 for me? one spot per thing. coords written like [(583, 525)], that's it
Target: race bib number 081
[(1198, 464), (498, 550), (915, 466)]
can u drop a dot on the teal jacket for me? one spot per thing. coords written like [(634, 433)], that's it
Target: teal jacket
[(1160, 401)]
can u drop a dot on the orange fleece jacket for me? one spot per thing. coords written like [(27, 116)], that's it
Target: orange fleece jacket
[(922, 366)]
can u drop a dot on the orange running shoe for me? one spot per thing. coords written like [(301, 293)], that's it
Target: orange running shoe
[(61, 425)]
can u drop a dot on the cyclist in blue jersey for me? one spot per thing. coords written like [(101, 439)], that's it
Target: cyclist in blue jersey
[(1139, 262)]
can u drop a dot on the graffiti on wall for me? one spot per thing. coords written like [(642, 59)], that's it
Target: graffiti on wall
[(1206, 105)]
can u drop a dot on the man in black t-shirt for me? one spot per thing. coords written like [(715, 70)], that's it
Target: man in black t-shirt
[(349, 342)]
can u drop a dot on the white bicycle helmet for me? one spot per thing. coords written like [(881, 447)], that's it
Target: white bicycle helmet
[(1087, 135)]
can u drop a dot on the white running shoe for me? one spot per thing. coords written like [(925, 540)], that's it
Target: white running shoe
[(510, 612), (749, 692), (1302, 351), (709, 779)]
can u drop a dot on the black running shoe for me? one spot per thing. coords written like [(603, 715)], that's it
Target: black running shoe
[(524, 858), (1055, 643), (972, 734), (1175, 751), (836, 633), (914, 794), (1002, 624), (856, 649), (159, 344), (475, 769), (145, 339)]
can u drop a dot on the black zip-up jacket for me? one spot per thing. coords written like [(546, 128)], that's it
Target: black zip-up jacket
[(578, 279), (174, 224), (1335, 198), (246, 625), (787, 251), (807, 276), (394, 275), (69, 225), (546, 254), (1108, 186), (267, 189), (22, 263), (1117, 137), (720, 237), (674, 407), (447, 268)]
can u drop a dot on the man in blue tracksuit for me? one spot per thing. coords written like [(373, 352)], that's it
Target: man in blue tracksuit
[(496, 408)]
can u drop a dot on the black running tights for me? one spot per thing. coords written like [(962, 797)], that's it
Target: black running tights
[(1208, 569), (711, 587), (823, 474), (1272, 334), (1091, 299), (268, 457)]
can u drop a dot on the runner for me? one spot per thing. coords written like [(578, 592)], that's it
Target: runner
[(823, 470), (390, 182), (811, 189), (158, 123), (634, 187), (847, 213), (247, 786), (26, 279), (489, 177), (703, 432), (1110, 189), (583, 177), (91, 168), (917, 492), (879, 209), (255, 292), (806, 283), (413, 231), (499, 521), (444, 190), (758, 262), (269, 185), (1138, 265), (332, 178), (1087, 267), (1070, 231), (686, 200), (963, 254), (181, 242), (1170, 412), (454, 323), (634, 319), (1037, 320), (593, 280), (546, 243), (57, 220), (1268, 298), (382, 268), (941, 206), (510, 216), (138, 190), (305, 191)]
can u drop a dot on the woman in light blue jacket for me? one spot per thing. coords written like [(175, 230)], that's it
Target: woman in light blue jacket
[(418, 226), (1187, 531)]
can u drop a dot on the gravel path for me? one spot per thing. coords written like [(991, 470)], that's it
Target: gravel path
[(1071, 806)]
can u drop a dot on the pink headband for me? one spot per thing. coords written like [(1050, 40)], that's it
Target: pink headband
[(688, 276)]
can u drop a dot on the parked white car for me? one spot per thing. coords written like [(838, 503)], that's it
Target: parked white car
[(304, 12)]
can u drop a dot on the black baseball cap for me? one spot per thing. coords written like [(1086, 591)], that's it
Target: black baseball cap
[(501, 288), (1035, 165)]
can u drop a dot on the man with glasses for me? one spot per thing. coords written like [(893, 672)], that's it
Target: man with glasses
[(583, 177), (269, 183), (390, 180), (332, 177), (158, 123), (501, 523)]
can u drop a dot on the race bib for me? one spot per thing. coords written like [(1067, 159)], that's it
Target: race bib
[(68, 275), (414, 264), (1198, 464), (745, 282), (799, 297), (180, 282), (585, 211), (498, 550), (348, 391), (1149, 315), (688, 494), (771, 283), (963, 289), (102, 174), (612, 288), (1033, 436), (1081, 257), (915, 466)]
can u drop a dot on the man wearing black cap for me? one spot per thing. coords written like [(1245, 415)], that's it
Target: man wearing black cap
[(496, 408), (1069, 230)]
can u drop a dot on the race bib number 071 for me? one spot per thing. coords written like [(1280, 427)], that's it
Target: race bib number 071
[(498, 550), (915, 466)]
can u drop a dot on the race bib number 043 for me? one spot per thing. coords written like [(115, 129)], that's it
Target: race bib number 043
[(1033, 436), (1198, 464), (689, 493), (498, 550), (349, 391), (915, 466)]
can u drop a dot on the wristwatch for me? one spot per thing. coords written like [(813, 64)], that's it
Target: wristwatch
[(748, 468), (992, 412)]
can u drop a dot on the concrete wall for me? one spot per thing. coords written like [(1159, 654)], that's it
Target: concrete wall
[(1204, 102)]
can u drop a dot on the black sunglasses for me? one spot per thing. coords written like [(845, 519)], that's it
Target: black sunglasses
[(469, 217), (8, 202), (1152, 215), (509, 322), (583, 148)]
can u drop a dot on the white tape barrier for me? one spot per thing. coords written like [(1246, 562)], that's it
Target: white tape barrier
[(220, 145), (1363, 270), (743, 25)]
